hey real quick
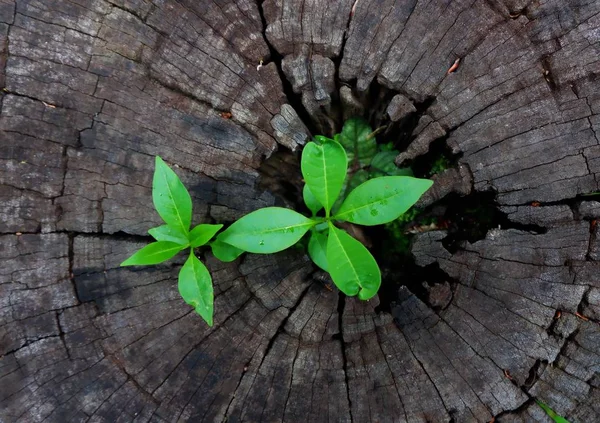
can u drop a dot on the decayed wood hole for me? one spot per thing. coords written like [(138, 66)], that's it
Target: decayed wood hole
[(93, 89)]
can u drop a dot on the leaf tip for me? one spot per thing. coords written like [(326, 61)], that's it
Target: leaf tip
[(206, 313), (127, 262), (366, 295)]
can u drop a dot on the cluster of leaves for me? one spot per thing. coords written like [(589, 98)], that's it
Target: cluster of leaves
[(374, 202), (367, 159), (174, 205), (269, 230)]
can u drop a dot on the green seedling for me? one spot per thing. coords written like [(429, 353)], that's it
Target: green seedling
[(366, 158), (376, 201), (324, 166), (174, 205), (551, 413)]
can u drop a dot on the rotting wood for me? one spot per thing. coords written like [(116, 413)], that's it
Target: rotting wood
[(92, 89)]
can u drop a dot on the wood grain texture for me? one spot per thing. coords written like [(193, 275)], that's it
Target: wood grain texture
[(91, 90)]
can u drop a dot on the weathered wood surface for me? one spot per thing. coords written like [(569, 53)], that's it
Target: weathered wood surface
[(93, 89)]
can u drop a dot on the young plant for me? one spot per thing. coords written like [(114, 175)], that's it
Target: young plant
[(174, 205), (367, 159), (324, 167)]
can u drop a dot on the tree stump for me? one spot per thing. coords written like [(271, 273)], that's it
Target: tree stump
[(93, 89)]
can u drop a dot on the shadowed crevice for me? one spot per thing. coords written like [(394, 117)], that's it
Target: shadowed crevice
[(294, 99)]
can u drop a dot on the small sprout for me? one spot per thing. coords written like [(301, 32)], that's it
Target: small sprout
[(174, 204), (260, 65), (377, 193)]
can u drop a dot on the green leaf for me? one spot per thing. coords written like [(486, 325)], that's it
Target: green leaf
[(195, 287), (154, 253), (351, 182), (342, 196), (309, 199), (321, 226), (346, 190), (358, 178), (357, 139), (324, 168), (317, 249), (171, 199), (223, 251), (320, 139), (551, 413), (351, 266), (201, 234), (382, 200), (168, 233), (267, 230), (387, 147), (384, 162)]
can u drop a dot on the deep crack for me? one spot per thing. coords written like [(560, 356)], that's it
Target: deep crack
[(295, 100), (340, 337)]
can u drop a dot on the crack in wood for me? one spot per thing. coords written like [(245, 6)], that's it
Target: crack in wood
[(277, 58), (468, 117), (340, 310)]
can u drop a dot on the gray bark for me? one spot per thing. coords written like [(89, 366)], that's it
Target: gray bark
[(91, 90)]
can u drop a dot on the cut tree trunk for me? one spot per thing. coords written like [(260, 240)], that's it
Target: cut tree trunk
[(92, 90)]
